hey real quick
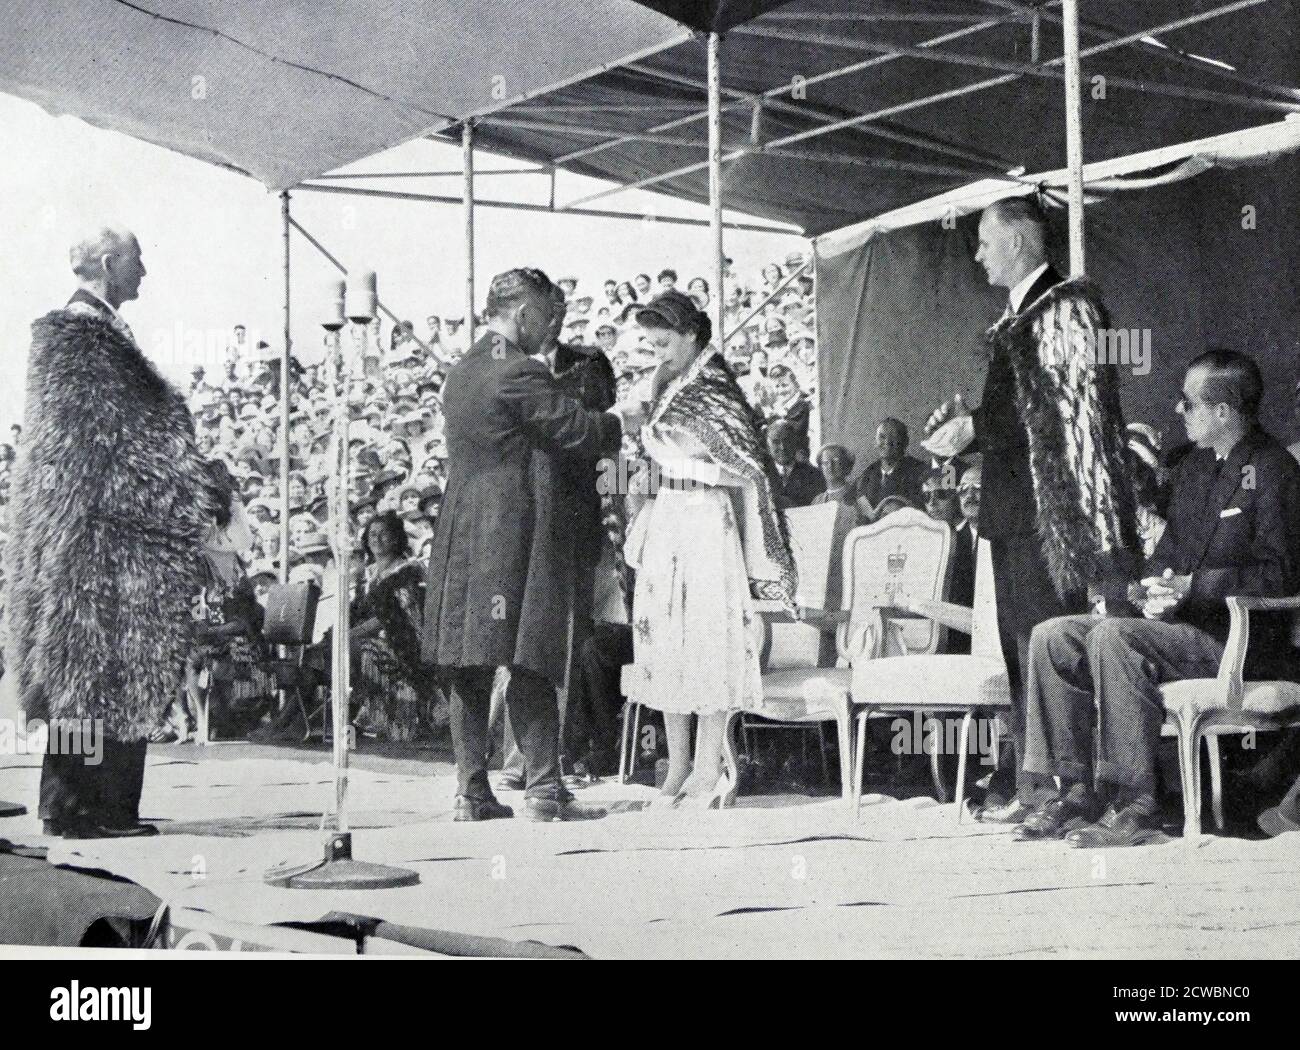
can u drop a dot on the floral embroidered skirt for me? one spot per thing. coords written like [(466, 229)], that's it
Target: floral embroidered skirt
[(693, 644)]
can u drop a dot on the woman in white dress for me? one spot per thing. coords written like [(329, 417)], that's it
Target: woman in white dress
[(708, 542)]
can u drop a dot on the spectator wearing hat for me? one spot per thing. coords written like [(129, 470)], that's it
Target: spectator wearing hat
[(606, 334), (774, 335), (790, 404), (262, 511), (298, 488), (667, 280), (430, 501)]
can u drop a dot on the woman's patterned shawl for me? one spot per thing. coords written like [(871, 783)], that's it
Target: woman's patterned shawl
[(396, 599), (707, 405)]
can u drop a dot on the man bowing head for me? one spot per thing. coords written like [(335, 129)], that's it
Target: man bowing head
[(501, 567)]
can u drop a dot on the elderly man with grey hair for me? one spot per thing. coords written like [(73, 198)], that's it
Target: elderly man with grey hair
[(110, 502)]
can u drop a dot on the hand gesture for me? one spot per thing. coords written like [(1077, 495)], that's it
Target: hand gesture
[(948, 410)]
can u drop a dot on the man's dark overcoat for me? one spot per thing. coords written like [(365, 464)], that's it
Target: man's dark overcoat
[(501, 570)]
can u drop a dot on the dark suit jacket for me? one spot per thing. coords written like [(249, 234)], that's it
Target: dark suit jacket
[(586, 375), (1007, 505), (961, 584), (905, 480), (501, 570), (803, 485), (1235, 527)]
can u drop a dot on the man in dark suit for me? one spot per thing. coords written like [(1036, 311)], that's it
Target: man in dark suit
[(958, 505), (585, 374), (801, 482), (1233, 529), (895, 473), (501, 571), (1012, 250)]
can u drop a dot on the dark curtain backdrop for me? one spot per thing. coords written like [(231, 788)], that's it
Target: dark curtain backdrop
[(901, 319)]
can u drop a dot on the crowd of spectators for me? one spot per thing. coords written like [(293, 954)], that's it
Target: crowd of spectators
[(398, 462)]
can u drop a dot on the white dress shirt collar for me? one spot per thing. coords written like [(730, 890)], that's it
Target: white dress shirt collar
[(1019, 292)]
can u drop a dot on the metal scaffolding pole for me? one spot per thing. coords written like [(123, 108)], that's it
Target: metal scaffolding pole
[(595, 213), (1074, 134), (467, 150), (715, 190), (286, 397)]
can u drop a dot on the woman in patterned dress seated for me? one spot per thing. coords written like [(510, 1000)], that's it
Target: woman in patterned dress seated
[(389, 683)]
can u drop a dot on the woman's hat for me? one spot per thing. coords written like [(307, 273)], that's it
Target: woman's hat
[(262, 567)]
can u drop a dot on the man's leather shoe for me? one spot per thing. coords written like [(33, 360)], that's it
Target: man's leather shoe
[(1129, 826), (127, 831), (1012, 812), (12, 809), (481, 809), (84, 829), (1056, 818), (568, 808)]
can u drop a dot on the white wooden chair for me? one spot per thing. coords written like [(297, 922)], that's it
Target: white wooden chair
[(1206, 708), (886, 682), (797, 656)]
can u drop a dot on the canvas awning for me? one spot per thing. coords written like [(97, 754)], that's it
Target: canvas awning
[(837, 110), (1157, 167), (285, 91)]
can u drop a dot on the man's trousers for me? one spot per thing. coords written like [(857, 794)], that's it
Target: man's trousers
[(1026, 597), (77, 789), (534, 717), (1095, 681)]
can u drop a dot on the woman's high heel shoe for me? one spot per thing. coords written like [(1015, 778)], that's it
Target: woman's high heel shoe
[(722, 796)]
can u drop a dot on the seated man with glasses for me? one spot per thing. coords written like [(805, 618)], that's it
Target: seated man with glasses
[(1233, 529)]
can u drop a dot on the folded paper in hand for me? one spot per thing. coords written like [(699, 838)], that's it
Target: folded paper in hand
[(951, 438)]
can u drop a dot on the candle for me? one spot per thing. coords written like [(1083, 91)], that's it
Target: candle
[(334, 298), (362, 298)]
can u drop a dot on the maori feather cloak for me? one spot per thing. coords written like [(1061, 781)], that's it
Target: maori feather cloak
[(108, 510), (1069, 401)]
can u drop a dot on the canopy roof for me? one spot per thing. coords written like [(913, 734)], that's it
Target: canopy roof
[(924, 95)]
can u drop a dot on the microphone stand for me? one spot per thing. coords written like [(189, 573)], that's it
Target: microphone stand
[(338, 870)]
